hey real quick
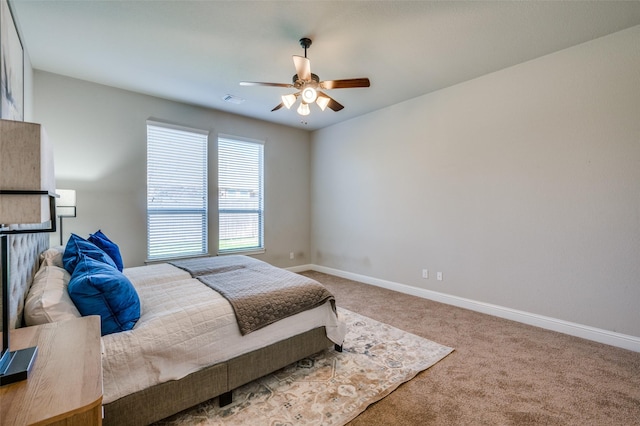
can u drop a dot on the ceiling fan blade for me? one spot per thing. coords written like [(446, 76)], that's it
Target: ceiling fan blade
[(257, 83), (333, 104), (277, 107), (303, 67), (345, 84)]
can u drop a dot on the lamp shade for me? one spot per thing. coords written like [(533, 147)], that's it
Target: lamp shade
[(322, 102), (303, 109), (289, 100), (26, 164), (66, 203)]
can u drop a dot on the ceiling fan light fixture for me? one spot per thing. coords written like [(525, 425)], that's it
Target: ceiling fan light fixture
[(322, 102), (309, 95), (303, 109), (309, 86), (289, 100)]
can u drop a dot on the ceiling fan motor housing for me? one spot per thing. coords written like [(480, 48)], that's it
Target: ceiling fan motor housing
[(298, 83)]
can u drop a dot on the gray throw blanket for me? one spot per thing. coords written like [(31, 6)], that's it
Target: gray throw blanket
[(259, 293)]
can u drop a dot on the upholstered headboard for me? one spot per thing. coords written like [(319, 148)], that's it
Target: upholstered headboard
[(24, 256)]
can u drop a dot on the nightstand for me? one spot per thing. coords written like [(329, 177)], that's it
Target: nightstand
[(65, 383)]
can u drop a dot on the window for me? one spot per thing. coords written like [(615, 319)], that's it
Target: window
[(176, 191), (240, 195)]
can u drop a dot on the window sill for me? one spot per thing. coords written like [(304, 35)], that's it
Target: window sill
[(244, 252)]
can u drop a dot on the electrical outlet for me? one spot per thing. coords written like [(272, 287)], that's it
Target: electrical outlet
[(291, 256), (439, 276), (425, 274)]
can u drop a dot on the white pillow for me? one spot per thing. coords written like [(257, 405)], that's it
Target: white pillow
[(52, 256), (48, 299)]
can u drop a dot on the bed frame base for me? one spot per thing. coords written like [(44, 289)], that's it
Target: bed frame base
[(165, 399), (227, 397)]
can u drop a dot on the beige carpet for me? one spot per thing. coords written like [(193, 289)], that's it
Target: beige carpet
[(501, 373), (329, 388)]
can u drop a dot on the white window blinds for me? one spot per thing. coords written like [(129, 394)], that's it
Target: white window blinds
[(176, 191), (240, 195)]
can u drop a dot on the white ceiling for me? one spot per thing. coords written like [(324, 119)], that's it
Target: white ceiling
[(198, 51)]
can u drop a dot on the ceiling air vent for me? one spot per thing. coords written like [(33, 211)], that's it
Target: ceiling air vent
[(232, 99)]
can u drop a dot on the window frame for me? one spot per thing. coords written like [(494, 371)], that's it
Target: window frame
[(202, 240), (260, 210)]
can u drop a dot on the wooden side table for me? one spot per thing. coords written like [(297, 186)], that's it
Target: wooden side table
[(65, 383)]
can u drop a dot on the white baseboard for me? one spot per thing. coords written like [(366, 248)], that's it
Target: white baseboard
[(301, 268), (574, 329)]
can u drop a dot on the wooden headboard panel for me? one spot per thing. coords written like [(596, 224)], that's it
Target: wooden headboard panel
[(24, 257)]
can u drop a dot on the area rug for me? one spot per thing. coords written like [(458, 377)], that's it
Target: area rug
[(328, 388)]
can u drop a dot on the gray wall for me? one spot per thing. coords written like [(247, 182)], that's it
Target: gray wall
[(99, 137), (522, 187)]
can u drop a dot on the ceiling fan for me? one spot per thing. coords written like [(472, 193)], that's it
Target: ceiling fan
[(309, 86)]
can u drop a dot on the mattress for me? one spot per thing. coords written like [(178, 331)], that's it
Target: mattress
[(185, 326)]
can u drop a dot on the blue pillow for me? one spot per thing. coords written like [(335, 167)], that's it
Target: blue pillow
[(109, 247), (99, 289), (76, 247)]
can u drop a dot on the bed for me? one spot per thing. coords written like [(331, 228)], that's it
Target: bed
[(187, 346)]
